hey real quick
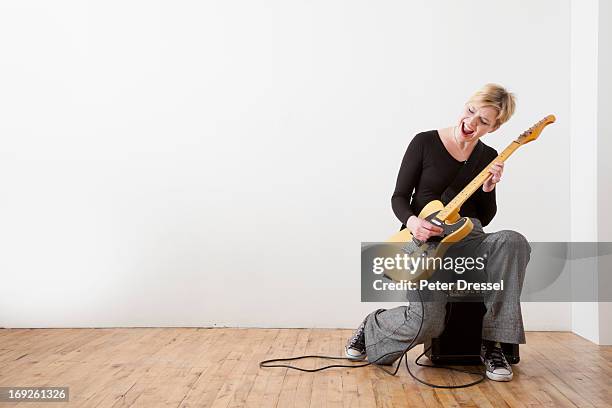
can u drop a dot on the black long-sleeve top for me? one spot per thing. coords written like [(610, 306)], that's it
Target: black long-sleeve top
[(428, 169)]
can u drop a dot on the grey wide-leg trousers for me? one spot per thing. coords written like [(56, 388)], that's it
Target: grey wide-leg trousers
[(506, 253)]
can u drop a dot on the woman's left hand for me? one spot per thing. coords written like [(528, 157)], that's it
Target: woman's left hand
[(496, 171)]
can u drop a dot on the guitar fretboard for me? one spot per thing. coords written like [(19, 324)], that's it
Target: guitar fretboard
[(476, 183)]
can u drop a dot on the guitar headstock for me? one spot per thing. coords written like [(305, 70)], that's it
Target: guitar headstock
[(533, 132)]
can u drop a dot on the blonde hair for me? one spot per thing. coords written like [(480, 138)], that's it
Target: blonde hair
[(495, 96)]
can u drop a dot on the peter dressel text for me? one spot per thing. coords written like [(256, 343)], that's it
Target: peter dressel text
[(459, 285)]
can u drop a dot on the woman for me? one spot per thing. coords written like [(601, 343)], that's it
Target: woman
[(431, 162)]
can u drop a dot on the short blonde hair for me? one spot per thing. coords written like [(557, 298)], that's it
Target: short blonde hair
[(495, 96)]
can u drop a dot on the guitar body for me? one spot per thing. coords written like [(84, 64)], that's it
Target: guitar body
[(435, 247), (455, 228)]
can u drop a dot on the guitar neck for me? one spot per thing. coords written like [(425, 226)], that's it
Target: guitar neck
[(475, 184)]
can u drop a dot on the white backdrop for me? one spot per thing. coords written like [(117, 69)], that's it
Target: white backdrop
[(218, 163)]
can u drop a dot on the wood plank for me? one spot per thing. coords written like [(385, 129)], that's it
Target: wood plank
[(191, 367)]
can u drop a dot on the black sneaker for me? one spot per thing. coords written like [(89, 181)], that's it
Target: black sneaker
[(494, 360), (355, 346)]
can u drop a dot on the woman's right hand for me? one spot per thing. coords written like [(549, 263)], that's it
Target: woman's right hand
[(422, 229)]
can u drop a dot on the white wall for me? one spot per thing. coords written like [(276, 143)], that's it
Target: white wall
[(604, 164), (583, 142), (216, 163), (591, 169)]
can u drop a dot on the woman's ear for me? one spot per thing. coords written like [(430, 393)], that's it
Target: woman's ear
[(497, 125)]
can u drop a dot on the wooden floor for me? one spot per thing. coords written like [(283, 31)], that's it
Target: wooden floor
[(189, 367)]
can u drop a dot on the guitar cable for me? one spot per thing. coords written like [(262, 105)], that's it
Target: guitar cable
[(266, 363)]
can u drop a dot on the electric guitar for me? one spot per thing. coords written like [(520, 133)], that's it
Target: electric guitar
[(447, 217)]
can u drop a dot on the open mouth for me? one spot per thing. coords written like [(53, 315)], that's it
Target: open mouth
[(466, 131)]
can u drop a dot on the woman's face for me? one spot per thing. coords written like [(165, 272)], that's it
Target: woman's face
[(476, 121)]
